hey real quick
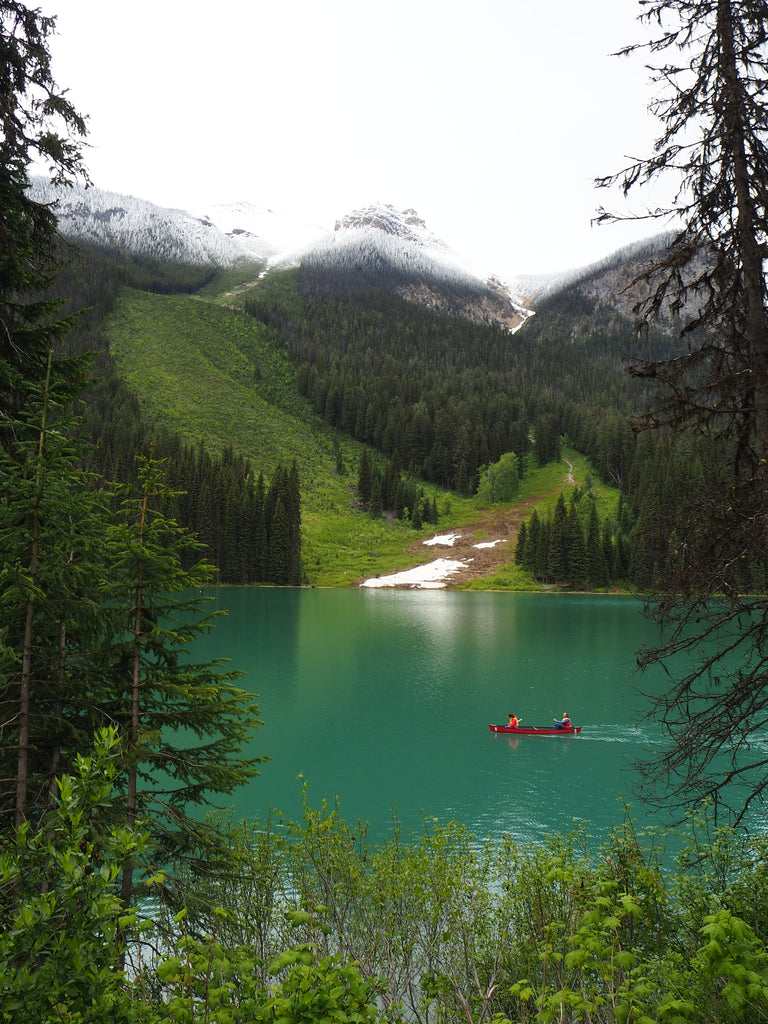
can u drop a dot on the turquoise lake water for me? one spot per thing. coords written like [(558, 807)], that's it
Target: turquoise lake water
[(381, 700)]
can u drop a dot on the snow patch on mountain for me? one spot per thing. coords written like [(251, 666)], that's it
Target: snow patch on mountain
[(379, 237), (376, 238), (224, 237), (381, 234), (278, 232)]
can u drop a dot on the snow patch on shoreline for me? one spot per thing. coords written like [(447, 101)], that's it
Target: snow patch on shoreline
[(431, 576)]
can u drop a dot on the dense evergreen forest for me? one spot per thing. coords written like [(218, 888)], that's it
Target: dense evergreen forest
[(443, 399), (450, 396), (251, 528)]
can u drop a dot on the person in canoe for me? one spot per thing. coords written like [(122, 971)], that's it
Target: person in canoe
[(564, 722), (513, 722)]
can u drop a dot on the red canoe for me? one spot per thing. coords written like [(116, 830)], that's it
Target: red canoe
[(532, 730)]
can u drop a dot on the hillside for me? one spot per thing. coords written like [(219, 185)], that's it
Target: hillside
[(217, 377), (182, 355), (377, 341), (193, 352)]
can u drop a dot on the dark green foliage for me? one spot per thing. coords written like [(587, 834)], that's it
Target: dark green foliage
[(522, 536), (183, 723), (94, 630), (448, 395), (597, 571), (574, 549), (282, 519), (52, 533), (216, 499), (408, 389), (710, 71), (391, 492), (60, 918), (577, 552), (534, 556), (546, 443), (364, 478), (416, 519), (559, 544), (375, 505)]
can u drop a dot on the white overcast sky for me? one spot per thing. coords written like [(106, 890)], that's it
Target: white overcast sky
[(490, 118)]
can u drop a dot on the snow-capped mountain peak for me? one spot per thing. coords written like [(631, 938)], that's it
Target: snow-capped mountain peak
[(222, 236), (405, 224), (377, 239), (401, 236)]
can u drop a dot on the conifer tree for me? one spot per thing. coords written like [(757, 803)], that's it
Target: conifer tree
[(258, 535), (89, 632), (293, 508), (364, 478), (597, 574), (416, 517), (577, 552), (52, 523), (557, 558), (606, 540), (522, 534), (279, 544), (37, 122), (183, 724), (375, 505), (391, 480), (531, 559)]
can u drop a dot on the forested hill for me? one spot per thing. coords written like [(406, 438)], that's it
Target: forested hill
[(448, 394), (445, 397), (403, 367)]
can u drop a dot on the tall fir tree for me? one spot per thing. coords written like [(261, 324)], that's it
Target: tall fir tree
[(597, 573), (557, 559), (577, 551), (365, 478), (183, 724)]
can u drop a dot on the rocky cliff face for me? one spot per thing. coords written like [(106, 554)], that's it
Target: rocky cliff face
[(491, 305), (379, 240)]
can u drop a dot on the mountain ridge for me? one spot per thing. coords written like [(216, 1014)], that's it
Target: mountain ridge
[(374, 239), (230, 234)]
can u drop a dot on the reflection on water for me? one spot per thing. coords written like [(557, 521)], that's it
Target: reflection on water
[(383, 699)]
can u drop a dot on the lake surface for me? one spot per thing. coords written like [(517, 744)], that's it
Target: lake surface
[(382, 700)]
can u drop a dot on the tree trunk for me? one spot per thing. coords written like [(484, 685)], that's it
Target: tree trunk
[(25, 682), (746, 227), (132, 788), (55, 762)]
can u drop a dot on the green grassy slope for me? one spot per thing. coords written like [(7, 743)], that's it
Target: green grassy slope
[(216, 375), (209, 373)]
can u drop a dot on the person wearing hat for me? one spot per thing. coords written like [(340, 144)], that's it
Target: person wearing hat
[(564, 722)]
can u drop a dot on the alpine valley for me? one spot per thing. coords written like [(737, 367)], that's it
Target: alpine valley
[(345, 396)]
